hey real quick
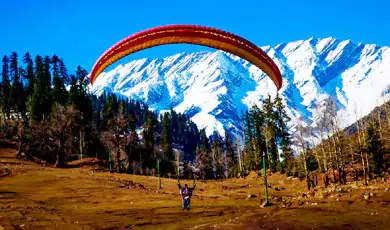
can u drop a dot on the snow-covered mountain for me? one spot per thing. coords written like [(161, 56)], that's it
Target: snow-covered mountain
[(215, 88)]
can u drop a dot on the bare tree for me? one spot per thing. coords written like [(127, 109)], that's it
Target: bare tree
[(360, 136), (178, 155), (201, 161), (303, 148), (320, 121), (239, 154), (311, 134), (115, 138), (57, 135)]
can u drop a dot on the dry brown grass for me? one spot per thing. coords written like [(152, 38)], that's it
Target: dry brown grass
[(37, 197)]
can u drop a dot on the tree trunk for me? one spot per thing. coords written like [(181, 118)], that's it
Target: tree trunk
[(59, 157), (118, 159), (368, 165), (178, 162), (81, 149), (323, 149), (239, 156), (336, 163), (339, 149), (366, 156), (364, 170), (352, 153), (300, 135), (255, 153), (213, 163), (380, 125), (140, 163), (315, 152)]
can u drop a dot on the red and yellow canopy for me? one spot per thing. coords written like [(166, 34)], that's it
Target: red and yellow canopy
[(190, 34)]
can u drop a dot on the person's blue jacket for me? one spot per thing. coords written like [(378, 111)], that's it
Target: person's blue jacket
[(189, 190)]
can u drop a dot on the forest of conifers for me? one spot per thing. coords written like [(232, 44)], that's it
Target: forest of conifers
[(49, 112)]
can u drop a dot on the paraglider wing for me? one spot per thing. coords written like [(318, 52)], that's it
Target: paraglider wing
[(190, 34)]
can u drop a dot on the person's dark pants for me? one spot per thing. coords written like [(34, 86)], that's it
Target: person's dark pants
[(186, 204)]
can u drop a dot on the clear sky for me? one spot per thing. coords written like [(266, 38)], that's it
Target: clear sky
[(81, 30)]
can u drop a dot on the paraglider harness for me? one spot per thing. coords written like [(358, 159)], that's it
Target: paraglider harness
[(186, 194)]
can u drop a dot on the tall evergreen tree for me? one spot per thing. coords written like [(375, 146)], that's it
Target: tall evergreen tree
[(166, 136), (46, 81), (283, 134), (6, 87), (59, 91), (79, 93), (17, 90), (249, 139), (270, 130), (204, 141), (63, 72), (73, 93), (204, 153), (149, 141), (258, 117), (15, 77), (29, 74), (230, 148), (148, 133), (375, 147), (41, 101), (110, 106), (217, 155)]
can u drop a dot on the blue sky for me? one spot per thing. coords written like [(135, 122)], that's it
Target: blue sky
[(81, 30)]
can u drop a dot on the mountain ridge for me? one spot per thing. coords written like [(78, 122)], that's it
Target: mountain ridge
[(215, 88)]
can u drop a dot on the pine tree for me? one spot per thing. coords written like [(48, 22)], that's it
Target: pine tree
[(45, 83), (258, 118), (41, 101), (17, 91), (110, 106), (191, 141), (149, 141), (283, 134), (205, 150), (149, 132), (15, 77), (217, 155), (36, 99), (6, 88), (63, 72), (374, 146), (29, 74), (133, 140), (73, 93), (59, 91), (166, 136), (249, 137), (78, 93), (270, 131), (230, 149)]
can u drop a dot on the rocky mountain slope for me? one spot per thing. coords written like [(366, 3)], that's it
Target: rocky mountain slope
[(215, 88)]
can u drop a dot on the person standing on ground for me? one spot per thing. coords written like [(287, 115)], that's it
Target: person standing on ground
[(186, 192)]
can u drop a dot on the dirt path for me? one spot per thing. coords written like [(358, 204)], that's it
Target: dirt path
[(37, 197)]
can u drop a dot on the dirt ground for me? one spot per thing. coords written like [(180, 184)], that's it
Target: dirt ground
[(34, 196)]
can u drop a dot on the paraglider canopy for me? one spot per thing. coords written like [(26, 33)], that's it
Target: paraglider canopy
[(190, 34)]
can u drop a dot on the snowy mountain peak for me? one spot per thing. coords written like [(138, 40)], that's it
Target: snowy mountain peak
[(215, 88)]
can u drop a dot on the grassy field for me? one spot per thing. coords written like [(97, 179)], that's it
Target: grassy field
[(36, 197)]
